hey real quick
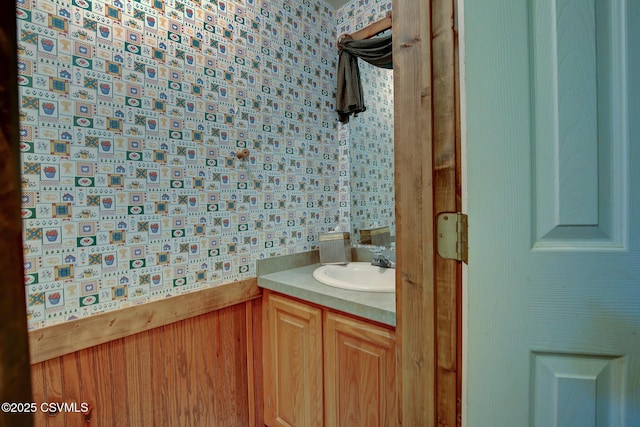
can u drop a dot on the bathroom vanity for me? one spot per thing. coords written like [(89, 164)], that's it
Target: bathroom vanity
[(329, 354), (323, 367)]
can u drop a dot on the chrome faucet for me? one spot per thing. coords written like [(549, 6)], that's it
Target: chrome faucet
[(380, 260)]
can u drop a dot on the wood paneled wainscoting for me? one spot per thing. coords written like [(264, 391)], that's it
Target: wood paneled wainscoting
[(190, 360)]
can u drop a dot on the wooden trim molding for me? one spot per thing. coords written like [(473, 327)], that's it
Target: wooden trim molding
[(372, 29), (446, 197), (427, 183), (54, 341), (415, 269)]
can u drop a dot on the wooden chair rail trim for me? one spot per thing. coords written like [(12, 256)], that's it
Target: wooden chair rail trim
[(57, 340)]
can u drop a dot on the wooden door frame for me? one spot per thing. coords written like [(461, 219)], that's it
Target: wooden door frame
[(15, 369), (427, 181)]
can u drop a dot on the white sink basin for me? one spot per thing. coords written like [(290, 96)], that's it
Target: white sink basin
[(357, 276)]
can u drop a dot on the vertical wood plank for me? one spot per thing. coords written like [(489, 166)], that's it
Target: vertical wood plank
[(268, 360), (39, 396), (71, 389), (53, 390), (179, 396), (220, 378), (180, 374), (133, 379), (146, 386), (459, 208), (235, 362), (170, 373), (191, 347), (120, 391), (250, 358), (217, 357), (224, 355), (445, 192), (159, 377), (258, 361), (205, 389), (105, 404), (242, 379), (14, 357), (414, 212), (87, 373)]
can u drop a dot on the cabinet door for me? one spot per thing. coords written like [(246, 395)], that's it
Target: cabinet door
[(292, 363), (360, 380)]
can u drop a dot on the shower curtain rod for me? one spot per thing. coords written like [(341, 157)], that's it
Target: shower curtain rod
[(371, 29)]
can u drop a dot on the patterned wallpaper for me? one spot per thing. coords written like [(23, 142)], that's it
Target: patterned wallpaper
[(367, 196), (131, 112), (371, 154)]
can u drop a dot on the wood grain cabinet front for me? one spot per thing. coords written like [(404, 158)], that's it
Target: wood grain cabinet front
[(324, 368), (359, 373), (292, 363)]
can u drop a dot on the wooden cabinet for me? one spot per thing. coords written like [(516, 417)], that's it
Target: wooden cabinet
[(323, 368), (359, 373), (292, 362)]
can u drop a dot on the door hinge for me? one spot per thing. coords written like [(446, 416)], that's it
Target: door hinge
[(451, 233)]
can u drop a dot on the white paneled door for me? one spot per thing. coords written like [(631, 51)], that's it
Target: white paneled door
[(551, 125)]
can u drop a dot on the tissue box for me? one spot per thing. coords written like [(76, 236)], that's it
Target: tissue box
[(335, 248), (379, 236)]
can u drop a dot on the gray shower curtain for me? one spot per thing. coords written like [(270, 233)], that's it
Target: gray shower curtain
[(376, 51)]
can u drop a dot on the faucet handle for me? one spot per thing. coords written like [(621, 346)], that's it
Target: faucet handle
[(377, 258)]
